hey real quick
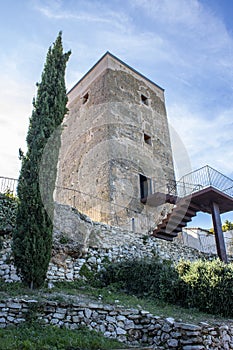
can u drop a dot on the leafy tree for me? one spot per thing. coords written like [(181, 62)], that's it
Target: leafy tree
[(227, 226), (32, 239)]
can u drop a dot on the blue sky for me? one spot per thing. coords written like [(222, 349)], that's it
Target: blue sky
[(185, 46)]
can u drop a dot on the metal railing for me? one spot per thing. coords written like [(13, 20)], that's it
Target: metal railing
[(8, 185), (103, 210), (203, 178)]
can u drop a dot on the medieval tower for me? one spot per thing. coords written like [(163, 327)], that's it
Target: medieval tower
[(115, 146)]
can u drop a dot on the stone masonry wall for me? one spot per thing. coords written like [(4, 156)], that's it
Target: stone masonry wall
[(104, 151), (78, 241), (127, 325), (65, 267)]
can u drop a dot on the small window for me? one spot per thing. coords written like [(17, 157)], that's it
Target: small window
[(147, 139), (85, 98), (144, 100), (145, 186)]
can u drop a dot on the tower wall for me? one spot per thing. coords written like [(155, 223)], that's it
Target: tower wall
[(115, 136)]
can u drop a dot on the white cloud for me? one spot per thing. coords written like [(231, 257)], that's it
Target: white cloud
[(94, 13), (173, 12), (207, 141), (180, 44), (14, 117), (193, 32)]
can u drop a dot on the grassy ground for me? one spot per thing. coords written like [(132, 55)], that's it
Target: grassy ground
[(35, 336), (76, 291)]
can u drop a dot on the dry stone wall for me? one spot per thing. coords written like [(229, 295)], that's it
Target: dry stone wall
[(79, 242), (63, 266), (130, 326)]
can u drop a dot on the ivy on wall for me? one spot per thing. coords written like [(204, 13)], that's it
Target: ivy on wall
[(8, 209)]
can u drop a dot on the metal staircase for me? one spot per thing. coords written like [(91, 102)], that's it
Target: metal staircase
[(175, 221), (206, 190)]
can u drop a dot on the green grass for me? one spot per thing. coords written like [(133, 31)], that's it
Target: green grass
[(110, 295), (35, 336), (71, 291)]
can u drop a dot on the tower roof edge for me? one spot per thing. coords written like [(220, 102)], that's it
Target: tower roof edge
[(109, 54)]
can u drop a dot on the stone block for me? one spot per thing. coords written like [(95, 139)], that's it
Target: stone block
[(69, 275), (54, 321), (111, 319), (75, 319), (129, 324), (59, 316), (87, 313), (170, 320), (120, 331), (172, 343), (12, 305), (187, 326), (193, 347), (111, 328), (166, 328)]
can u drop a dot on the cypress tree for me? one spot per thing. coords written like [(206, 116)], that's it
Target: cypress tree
[(32, 239)]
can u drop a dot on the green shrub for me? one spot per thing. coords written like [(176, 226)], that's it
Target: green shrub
[(208, 286), (145, 277), (204, 285), (8, 210)]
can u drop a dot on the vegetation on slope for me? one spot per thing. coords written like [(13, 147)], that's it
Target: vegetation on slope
[(36, 336), (8, 210), (204, 285)]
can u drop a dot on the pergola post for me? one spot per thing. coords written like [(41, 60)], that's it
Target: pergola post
[(219, 238)]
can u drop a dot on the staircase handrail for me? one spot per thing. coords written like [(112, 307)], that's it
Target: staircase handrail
[(207, 176)]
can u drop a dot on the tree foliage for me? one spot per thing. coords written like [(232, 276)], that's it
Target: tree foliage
[(227, 226), (32, 239), (204, 285), (8, 210)]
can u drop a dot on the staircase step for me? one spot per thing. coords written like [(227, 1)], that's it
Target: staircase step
[(164, 231), (188, 204), (181, 225), (188, 212), (177, 218), (163, 236), (175, 221), (171, 198)]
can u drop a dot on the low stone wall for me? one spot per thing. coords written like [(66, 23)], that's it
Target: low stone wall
[(130, 326)]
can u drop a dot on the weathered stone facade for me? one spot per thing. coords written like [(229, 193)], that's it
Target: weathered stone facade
[(115, 146), (131, 326)]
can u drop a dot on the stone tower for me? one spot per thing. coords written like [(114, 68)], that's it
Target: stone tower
[(115, 146)]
